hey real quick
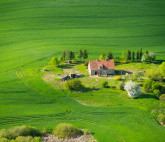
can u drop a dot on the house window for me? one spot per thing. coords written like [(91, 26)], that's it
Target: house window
[(101, 67)]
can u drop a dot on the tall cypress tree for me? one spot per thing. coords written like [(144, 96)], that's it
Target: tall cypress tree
[(140, 54), (147, 52), (128, 55), (137, 55), (110, 56), (80, 54), (133, 56), (85, 54), (64, 56), (72, 56)]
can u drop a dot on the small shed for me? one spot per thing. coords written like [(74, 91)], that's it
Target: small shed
[(64, 77)]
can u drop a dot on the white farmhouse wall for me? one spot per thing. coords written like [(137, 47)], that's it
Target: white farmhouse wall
[(103, 72)]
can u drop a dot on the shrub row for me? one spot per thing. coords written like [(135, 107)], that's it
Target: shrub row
[(20, 134)]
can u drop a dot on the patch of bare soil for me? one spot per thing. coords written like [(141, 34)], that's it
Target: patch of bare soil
[(50, 79), (83, 138)]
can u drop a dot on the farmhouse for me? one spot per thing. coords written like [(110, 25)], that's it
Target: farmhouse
[(101, 67)]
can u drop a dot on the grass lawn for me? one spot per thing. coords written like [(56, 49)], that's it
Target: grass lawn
[(137, 66)]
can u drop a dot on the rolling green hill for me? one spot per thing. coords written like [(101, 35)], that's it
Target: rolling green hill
[(31, 32)]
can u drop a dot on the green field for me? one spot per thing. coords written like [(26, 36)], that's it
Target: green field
[(31, 32)]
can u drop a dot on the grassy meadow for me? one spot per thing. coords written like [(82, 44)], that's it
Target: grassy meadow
[(31, 32)]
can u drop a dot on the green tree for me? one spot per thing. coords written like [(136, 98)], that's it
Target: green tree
[(110, 56), (80, 54), (162, 69), (148, 57), (85, 54), (133, 56), (137, 55), (103, 54), (101, 57), (140, 54), (64, 55), (128, 55), (147, 52), (60, 59), (54, 61), (123, 56), (71, 55)]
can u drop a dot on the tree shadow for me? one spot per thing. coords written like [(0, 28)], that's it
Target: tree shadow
[(122, 72), (66, 66), (159, 61), (146, 96)]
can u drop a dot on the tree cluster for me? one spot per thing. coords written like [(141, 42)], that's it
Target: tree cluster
[(68, 55), (131, 56), (83, 54), (103, 56), (56, 61), (155, 82)]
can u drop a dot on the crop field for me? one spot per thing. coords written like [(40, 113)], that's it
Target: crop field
[(32, 31)]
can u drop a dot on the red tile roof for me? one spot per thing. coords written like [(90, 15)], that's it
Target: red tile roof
[(63, 75), (107, 64)]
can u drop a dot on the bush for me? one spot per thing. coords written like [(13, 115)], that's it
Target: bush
[(73, 61), (161, 118), (156, 85), (65, 130), (155, 75), (162, 90), (123, 61), (4, 140), (117, 78), (148, 57), (73, 84), (133, 89), (95, 87), (86, 132), (162, 69), (147, 86), (150, 86), (156, 93), (105, 84), (121, 86), (162, 98), (14, 132), (27, 139)]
